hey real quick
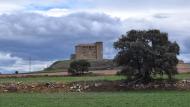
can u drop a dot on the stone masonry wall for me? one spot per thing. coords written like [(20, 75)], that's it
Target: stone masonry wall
[(89, 51)]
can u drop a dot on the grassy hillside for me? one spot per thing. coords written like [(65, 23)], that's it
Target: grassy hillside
[(95, 65), (63, 65)]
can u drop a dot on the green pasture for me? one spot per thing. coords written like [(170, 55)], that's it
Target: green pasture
[(106, 99), (66, 79)]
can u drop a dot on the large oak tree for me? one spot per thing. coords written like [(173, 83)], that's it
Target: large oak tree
[(144, 54)]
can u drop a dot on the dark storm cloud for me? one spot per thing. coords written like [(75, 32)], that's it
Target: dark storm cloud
[(47, 38)]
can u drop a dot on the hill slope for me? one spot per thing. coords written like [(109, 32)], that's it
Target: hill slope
[(95, 65), (105, 64)]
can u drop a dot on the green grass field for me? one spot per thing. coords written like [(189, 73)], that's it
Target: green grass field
[(72, 79), (93, 99), (115, 99), (59, 79), (183, 76)]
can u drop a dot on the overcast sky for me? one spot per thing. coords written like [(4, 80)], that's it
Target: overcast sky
[(47, 30)]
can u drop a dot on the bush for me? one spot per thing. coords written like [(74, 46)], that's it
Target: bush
[(79, 67), (16, 72)]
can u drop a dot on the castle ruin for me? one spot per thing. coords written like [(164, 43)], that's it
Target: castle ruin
[(92, 51)]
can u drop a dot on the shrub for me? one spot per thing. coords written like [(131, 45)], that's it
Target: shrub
[(16, 72), (79, 67)]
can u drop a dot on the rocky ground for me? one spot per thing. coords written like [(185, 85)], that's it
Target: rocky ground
[(93, 86)]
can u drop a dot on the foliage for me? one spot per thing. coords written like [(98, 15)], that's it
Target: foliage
[(146, 53), (16, 72), (79, 67)]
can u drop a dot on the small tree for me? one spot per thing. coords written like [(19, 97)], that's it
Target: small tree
[(146, 53), (79, 67), (16, 72)]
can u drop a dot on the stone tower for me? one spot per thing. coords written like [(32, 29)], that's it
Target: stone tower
[(92, 51), (99, 52)]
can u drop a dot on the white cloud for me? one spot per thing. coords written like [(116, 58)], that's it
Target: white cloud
[(55, 12), (10, 6), (185, 57), (10, 64)]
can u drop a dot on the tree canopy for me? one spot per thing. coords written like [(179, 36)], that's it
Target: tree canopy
[(79, 67), (145, 54)]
